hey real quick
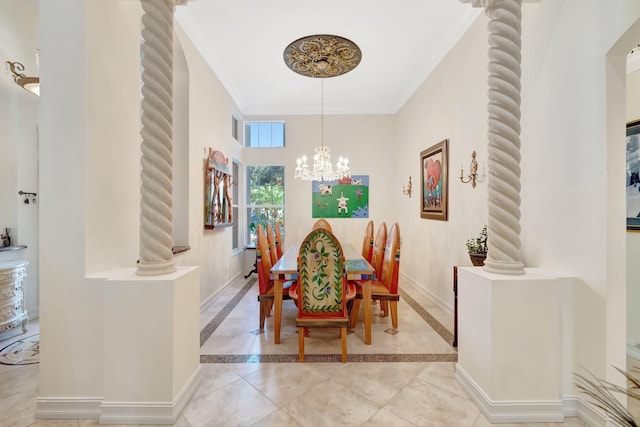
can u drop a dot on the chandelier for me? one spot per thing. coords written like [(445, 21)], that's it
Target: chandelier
[(321, 56), (322, 169)]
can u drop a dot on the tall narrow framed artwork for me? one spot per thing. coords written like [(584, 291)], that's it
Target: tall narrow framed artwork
[(633, 176), (434, 182), (218, 191)]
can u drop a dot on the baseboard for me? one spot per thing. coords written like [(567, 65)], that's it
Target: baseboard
[(151, 412), (442, 304), (119, 412), (574, 406), (207, 302), (512, 411), (60, 408)]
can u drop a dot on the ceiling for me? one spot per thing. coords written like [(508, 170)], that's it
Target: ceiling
[(401, 42)]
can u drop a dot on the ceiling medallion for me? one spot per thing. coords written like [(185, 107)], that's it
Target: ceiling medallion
[(322, 55)]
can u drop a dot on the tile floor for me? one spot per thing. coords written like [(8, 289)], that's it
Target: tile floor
[(403, 379)]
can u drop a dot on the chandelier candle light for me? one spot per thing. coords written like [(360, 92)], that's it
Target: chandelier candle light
[(321, 56)]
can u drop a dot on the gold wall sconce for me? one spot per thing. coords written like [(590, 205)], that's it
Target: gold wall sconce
[(30, 84), (407, 191), (473, 172)]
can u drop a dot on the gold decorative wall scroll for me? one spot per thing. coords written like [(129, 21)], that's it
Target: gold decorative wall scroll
[(218, 211)]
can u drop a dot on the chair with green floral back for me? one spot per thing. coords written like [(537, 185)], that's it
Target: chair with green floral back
[(322, 223), (322, 290)]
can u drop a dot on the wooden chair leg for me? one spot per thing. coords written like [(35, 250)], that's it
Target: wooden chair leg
[(384, 305), (263, 314), (343, 338), (268, 308), (394, 314), (301, 332), (355, 309)]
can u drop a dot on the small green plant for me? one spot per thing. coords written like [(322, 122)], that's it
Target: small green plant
[(479, 244)]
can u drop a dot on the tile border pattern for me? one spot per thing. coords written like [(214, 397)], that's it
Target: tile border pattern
[(211, 327)]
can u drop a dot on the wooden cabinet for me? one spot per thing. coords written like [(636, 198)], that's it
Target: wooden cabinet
[(12, 284)]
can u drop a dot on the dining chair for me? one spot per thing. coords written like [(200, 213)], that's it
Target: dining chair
[(377, 255), (384, 287), (367, 242), (265, 284), (322, 290), (279, 242), (322, 223), (273, 249)]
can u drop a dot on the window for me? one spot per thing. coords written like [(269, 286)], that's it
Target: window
[(265, 198), (234, 193), (264, 134), (234, 128)]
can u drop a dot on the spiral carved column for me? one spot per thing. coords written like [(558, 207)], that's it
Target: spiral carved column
[(156, 203), (505, 17)]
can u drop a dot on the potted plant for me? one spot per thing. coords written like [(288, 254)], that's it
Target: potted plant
[(477, 248)]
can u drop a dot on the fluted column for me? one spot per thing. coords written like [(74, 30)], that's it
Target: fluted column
[(505, 33), (156, 216)]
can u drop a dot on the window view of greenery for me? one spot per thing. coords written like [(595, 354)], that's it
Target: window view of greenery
[(264, 134), (265, 198)]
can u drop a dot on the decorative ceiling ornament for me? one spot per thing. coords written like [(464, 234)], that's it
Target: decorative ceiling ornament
[(322, 55)]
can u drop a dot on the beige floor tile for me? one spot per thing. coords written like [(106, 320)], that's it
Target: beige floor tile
[(55, 423), (96, 423), (331, 404), (427, 405), (378, 382), (282, 382), (214, 377), (242, 369), (442, 375), (236, 404), (278, 418), (384, 418)]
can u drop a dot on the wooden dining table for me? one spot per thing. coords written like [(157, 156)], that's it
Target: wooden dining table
[(356, 268)]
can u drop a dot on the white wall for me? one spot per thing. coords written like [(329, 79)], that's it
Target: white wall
[(369, 144), (210, 110), (450, 104), (19, 140)]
